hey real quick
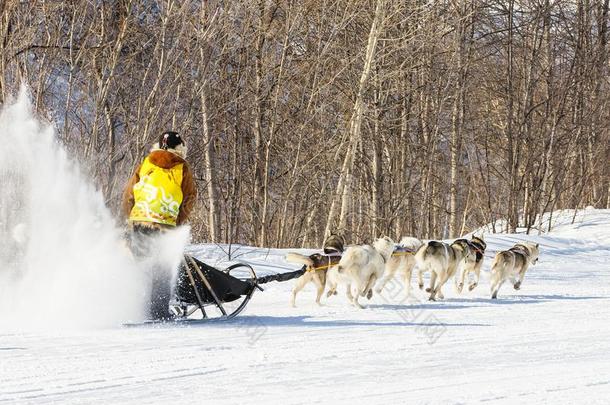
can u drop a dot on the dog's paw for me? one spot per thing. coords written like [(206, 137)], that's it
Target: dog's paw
[(472, 286)]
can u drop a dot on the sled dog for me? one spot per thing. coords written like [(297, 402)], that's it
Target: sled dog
[(472, 264), (317, 265), (511, 265), (443, 261), (360, 267), (402, 262)]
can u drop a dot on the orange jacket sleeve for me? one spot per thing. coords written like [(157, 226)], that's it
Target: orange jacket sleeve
[(189, 195), (128, 199)]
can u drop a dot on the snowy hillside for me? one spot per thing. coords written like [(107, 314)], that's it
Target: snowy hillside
[(547, 343)]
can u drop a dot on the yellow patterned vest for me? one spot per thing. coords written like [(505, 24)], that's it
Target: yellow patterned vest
[(158, 194)]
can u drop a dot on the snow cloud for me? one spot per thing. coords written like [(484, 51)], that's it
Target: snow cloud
[(63, 262)]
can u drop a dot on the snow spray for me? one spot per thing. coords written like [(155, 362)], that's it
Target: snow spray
[(63, 260)]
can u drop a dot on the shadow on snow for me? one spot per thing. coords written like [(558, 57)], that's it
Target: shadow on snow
[(309, 321)]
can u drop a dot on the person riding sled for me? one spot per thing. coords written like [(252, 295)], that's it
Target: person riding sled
[(159, 196)]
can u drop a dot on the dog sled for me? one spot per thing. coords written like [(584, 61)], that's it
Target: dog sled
[(206, 293)]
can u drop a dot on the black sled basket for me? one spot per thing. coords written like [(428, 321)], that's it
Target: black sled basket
[(215, 293)]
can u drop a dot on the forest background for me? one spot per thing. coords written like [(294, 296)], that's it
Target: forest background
[(368, 118)]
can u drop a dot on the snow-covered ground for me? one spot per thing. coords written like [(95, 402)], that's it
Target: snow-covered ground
[(547, 343)]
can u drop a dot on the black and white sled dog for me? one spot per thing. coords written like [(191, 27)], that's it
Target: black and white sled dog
[(442, 260), (472, 264), (512, 264), (402, 262), (317, 265), (360, 267)]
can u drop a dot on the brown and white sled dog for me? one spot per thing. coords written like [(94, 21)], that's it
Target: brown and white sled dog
[(317, 266), (402, 262), (360, 268), (442, 260), (473, 264), (511, 265)]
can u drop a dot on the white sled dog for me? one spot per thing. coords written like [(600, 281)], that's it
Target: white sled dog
[(317, 265), (472, 264), (511, 265), (443, 261), (361, 267), (402, 262)]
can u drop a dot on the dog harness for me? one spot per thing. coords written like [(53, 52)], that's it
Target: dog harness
[(520, 249), (402, 251), (330, 259), (158, 194), (477, 247)]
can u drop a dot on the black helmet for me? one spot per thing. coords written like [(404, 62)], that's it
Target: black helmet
[(169, 140)]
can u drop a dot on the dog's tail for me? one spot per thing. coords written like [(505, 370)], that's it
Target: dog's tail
[(354, 256), (498, 263), (299, 258), (410, 243), (420, 255)]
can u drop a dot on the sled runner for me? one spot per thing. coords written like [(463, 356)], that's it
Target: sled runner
[(205, 293)]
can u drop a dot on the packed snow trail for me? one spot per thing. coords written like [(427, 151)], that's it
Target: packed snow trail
[(547, 343)]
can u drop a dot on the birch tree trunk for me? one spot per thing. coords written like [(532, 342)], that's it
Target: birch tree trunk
[(345, 179), (512, 158), (457, 115)]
